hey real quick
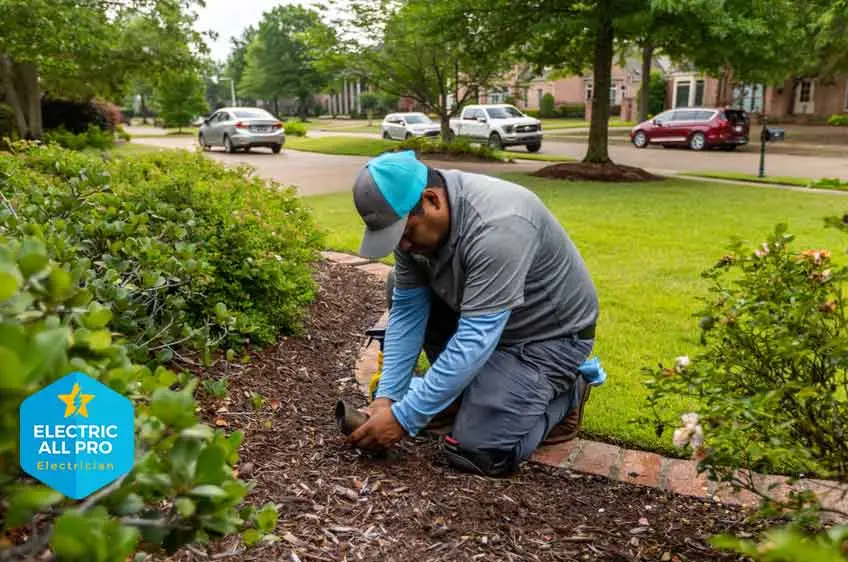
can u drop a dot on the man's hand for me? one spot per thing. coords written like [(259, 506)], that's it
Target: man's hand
[(381, 431), (379, 404)]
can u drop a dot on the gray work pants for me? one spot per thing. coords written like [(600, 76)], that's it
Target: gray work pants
[(518, 395)]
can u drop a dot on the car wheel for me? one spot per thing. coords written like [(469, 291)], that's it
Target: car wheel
[(202, 142), (698, 141), (495, 142), (640, 139), (276, 148), (228, 145), (246, 149), (534, 147), (408, 136)]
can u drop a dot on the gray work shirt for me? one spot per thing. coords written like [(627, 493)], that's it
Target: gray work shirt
[(505, 251)]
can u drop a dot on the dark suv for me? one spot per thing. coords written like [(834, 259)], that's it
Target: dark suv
[(696, 127)]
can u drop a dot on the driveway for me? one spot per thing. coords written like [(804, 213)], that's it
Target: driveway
[(312, 173)]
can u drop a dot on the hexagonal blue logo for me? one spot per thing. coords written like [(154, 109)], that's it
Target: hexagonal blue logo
[(77, 435)]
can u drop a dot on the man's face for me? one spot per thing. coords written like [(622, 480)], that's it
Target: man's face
[(427, 230)]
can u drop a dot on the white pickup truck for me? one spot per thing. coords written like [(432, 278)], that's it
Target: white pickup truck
[(498, 126)]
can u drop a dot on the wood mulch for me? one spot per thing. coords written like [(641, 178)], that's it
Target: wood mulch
[(585, 171), (337, 503)]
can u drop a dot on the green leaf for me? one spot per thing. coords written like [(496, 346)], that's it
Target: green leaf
[(59, 284), (251, 537), (32, 257), (221, 311), (199, 431), (48, 352), (208, 491), (71, 536), (130, 505), (12, 371), (24, 502), (184, 506), (266, 518), (211, 466), (183, 457), (10, 280), (97, 316), (173, 408), (100, 340)]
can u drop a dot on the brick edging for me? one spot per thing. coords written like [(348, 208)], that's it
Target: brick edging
[(678, 476)]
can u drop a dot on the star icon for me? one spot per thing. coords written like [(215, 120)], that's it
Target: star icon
[(71, 402)]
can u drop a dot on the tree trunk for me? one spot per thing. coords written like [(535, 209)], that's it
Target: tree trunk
[(790, 106), (7, 73), (645, 92), (28, 77), (143, 110), (444, 120), (276, 107), (597, 152)]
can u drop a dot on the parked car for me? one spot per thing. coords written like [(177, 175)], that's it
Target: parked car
[(498, 126), (242, 128), (407, 125), (695, 127)]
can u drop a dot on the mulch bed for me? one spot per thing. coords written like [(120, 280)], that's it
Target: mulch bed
[(585, 171), (337, 503)]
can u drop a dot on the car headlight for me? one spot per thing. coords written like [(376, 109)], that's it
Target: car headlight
[(508, 128)]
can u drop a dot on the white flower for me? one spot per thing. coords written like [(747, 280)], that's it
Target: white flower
[(681, 437), (681, 363), (697, 439), (691, 433), (689, 420)]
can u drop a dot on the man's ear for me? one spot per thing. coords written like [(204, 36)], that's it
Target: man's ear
[(431, 196)]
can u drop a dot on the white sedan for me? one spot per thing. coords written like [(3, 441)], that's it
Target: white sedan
[(407, 125)]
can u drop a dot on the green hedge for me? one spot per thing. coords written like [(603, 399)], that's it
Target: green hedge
[(295, 128), (104, 263), (459, 147), (185, 251), (94, 137), (838, 120)]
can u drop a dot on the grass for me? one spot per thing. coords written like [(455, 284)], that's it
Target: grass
[(779, 180), (129, 149), (645, 246), (549, 124), (362, 146)]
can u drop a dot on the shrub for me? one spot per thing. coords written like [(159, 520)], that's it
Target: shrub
[(181, 490), (189, 253), (295, 128), (74, 116), (546, 107), (656, 93), (458, 148), (123, 134), (531, 113), (838, 120), (111, 112), (769, 386), (572, 111), (94, 137), (828, 183)]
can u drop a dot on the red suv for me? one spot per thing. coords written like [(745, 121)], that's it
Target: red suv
[(696, 127)]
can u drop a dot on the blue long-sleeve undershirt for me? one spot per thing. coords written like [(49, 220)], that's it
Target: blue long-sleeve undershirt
[(416, 402)]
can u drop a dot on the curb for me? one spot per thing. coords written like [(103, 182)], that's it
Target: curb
[(678, 476)]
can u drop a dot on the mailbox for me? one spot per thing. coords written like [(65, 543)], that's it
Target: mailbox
[(773, 134)]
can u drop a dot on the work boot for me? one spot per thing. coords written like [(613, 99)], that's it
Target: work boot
[(572, 423)]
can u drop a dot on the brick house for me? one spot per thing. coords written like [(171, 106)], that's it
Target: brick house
[(809, 100)]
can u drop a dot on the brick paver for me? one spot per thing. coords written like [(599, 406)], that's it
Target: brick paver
[(638, 467), (345, 259)]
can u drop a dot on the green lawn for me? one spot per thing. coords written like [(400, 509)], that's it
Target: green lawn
[(129, 148), (780, 180), (645, 245), (549, 124), (363, 146)]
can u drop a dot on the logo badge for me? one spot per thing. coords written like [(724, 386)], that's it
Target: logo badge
[(77, 435)]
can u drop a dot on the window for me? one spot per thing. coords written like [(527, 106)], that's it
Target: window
[(806, 88), (223, 117), (749, 97), (613, 95), (685, 115), (681, 93), (699, 93), (503, 112), (253, 114), (704, 115), (539, 96), (665, 117)]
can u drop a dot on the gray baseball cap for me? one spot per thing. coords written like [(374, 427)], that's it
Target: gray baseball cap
[(386, 189)]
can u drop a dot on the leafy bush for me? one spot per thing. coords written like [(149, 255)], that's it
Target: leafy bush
[(74, 116), (187, 252), (180, 490), (572, 111), (828, 183), (458, 148), (295, 128), (531, 113), (769, 388), (94, 137), (656, 93), (838, 120), (123, 134), (111, 112), (546, 107)]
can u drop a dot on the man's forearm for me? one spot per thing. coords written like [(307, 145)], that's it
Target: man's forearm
[(404, 338), (467, 351)]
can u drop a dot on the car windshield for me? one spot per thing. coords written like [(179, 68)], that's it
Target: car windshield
[(252, 114), (503, 112), (418, 119)]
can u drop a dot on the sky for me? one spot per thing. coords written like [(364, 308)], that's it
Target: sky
[(228, 18)]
